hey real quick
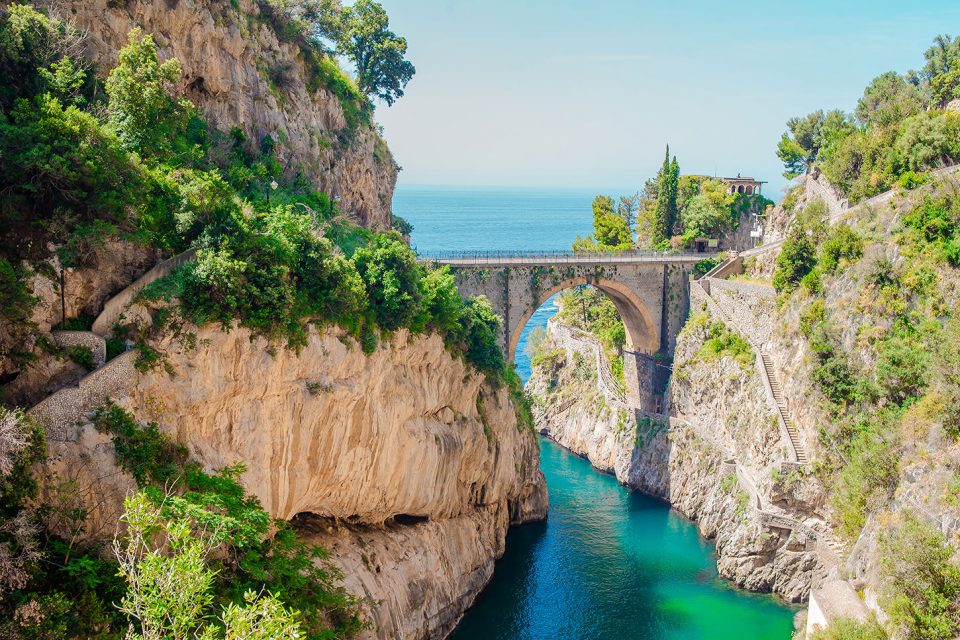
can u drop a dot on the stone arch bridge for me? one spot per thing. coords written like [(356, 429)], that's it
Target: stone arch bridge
[(649, 289)]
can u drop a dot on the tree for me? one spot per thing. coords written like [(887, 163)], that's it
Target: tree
[(703, 219), (144, 115), (889, 99), (391, 275), (801, 144), (376, 51), (797, 258), (170, 587), (627, 208), (666, 207), (942, 70), (602, 205), (610, 229)]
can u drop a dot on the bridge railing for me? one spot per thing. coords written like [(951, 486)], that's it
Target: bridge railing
[(559, 255)]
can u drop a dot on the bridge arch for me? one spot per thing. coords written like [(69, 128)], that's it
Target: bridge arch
[(642, 332)]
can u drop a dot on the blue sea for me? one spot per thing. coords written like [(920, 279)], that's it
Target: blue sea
[(462, 218), (608, 563)]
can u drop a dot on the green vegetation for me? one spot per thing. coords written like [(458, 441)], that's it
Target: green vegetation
[(899, 130), (813, 249), (273, 253), (220, 516), (590, 310), (671, 213), (665, 210), (360, 33), (923, 578), (847, 629), (722, 342), (899, 379), (612, 230)]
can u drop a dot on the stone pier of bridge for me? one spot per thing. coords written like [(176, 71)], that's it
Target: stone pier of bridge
[(649, 290)]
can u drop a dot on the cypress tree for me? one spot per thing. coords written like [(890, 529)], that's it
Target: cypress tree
[(672, 199), (668, 183)]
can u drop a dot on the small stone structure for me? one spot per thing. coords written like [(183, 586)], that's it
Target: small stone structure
[(745, 186), (833, 600)]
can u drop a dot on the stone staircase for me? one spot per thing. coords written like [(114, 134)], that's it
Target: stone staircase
[(798, 449), (61, 410)]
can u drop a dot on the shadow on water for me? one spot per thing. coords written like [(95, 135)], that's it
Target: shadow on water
[(612, 564)]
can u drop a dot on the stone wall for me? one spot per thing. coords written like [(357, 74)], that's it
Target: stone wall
[(115, 307), (59, 413), (751, 306), (85, 339)]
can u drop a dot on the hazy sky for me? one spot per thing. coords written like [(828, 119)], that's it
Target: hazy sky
[(586, 93)]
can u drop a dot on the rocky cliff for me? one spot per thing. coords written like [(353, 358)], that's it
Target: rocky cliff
[(240, 73), (405, 463), (714, 459)]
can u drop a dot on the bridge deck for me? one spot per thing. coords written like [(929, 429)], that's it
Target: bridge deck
[(535, 258)]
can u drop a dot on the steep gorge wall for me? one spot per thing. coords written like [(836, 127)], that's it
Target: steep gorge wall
[(240, 74), (711, 459), (390, 457)]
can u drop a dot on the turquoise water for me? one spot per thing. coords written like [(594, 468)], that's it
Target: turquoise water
[(608, 563)]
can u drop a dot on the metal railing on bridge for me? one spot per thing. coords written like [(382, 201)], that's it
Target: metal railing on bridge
[(561, 256)]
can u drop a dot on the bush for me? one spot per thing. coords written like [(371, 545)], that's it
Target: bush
[(143, 452), (217, 506), (866, 481), (848, 629), (842, 247), (922, 579), (901, 369), (390, 273), (704, 267), (797, 258), (483, 327), (721, 342)]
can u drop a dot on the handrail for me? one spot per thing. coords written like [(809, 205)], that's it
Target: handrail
[(478, 254)]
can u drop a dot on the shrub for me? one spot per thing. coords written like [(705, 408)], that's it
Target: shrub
[(143, 452), (721, 342), (797, 258), (390, 273), (842, 247), (901, 369), (922, 581), (483, 327), (703, 267), (867, 479), (849, 629)]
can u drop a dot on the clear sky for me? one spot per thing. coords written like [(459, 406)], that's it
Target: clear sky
[(586, 93)]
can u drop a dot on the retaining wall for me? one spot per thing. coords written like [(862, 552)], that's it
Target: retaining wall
[(61, 411), (115, 307), (752, 307), (87, 339)]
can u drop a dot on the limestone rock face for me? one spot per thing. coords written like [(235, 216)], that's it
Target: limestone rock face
[(238, 72), (394, 446)]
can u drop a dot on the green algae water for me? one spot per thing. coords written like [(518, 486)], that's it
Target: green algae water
[(610, 563)]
